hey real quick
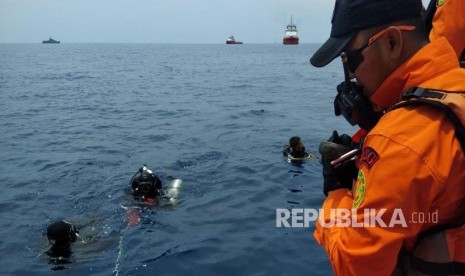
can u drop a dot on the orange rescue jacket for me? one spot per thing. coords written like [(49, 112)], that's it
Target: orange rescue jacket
[(449, 22), (411, 173)]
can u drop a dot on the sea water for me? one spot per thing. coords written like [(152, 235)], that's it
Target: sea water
[(78, 120)]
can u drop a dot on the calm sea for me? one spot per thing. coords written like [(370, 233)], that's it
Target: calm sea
[(78, 120)]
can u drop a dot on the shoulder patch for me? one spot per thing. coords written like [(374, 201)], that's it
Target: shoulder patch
[(369, 157), (359, 190), (440, 3)]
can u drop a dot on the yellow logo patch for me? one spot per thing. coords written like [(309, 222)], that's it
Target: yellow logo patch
[(359, 189), (440, 3)]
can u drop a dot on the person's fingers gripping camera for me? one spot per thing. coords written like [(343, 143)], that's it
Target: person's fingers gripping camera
[(342, 174)]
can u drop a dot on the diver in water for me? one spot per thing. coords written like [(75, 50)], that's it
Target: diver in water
[(145, 185), (296, 148), (61, 235), (68, 245)]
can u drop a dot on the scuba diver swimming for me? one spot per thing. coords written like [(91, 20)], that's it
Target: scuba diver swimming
[(70, 246), (61, 235), (147, 188), (295, 151), (145, 185)]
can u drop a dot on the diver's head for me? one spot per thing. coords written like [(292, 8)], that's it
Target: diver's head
[(145, 184), (61, 234), (296, 143)]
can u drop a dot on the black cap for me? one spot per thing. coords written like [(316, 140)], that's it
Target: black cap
[(351, 16)]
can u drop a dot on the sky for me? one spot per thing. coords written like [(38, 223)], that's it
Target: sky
[(162, 21)]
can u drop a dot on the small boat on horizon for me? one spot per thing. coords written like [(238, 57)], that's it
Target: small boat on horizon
[(50, 41), (291, 37), (232, 40)]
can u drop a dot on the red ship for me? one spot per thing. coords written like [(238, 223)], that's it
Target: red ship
[(291, 37), (231, 40)]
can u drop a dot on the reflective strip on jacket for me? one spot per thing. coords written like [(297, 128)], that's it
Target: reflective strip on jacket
[(411, 166)]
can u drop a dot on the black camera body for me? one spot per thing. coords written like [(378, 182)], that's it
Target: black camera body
[(352, 103), (355, 106)]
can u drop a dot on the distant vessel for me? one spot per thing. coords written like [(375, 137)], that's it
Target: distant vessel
[(50, 41), (231, 40), (291, 37)]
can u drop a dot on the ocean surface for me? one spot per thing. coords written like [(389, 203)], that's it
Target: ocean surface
[(78, 120)]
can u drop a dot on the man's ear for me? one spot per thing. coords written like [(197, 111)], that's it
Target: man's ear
[(394, 42)]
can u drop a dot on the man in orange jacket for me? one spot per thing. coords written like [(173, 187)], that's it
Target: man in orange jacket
[(411, 171)]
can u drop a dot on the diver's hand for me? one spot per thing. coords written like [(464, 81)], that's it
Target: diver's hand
[(344, 174)]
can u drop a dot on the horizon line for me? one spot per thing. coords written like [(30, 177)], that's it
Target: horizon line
[(214, 43)]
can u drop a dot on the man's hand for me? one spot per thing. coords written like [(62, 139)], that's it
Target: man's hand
[(343, 175)]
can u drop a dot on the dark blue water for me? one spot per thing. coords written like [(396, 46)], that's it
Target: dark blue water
[(77, 120)]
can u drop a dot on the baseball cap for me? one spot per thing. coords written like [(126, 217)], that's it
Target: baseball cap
[(351, 16)]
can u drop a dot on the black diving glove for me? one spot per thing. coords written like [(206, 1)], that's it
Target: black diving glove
[(344, 174)]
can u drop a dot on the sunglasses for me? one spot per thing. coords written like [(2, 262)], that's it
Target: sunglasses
[(355, 57)]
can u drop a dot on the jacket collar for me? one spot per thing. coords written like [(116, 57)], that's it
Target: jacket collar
[(431, 61)]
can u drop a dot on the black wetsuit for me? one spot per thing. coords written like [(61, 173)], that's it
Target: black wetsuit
[(59, 256)]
